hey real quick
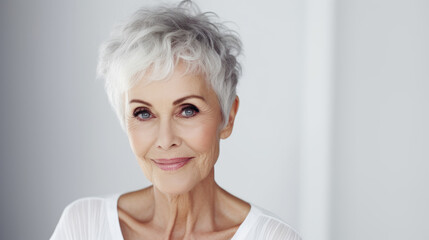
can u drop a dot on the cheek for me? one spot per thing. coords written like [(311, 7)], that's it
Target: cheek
[(141, 140), (203, 137)]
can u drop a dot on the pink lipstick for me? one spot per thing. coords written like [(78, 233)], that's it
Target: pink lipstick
[(171, 164)]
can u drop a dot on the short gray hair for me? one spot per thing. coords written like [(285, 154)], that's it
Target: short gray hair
[(154, 40)]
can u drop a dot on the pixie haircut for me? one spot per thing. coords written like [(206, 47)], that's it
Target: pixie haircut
[(153, 41)]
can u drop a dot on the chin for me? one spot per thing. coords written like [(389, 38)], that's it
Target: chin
[(175, 184)]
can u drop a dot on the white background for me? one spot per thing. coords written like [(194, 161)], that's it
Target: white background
[(61, 141)]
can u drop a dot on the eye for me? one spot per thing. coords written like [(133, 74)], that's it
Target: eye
[(189, 111), (142, 114)]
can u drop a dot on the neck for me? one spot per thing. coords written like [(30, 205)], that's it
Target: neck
[(182, 214)]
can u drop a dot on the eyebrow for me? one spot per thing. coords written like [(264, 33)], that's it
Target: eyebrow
[(178, 101), (140, 101)]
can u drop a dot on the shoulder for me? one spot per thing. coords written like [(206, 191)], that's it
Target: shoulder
[(83, 205), (266, 225), (137, 204), (83, 218), (85, 210)]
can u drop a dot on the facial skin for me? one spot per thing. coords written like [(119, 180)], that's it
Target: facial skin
[(179, 117)]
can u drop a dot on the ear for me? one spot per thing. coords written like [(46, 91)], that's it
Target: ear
[(227, 130)]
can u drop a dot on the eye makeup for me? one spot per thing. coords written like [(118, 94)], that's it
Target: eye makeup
[(188, 110), (142, 114)]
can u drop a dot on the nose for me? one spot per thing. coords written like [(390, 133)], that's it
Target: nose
[(167, 138)]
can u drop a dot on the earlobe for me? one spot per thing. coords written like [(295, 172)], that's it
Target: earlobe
[(227, 130)]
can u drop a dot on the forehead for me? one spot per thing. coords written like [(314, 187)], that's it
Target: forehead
[(179, 84)]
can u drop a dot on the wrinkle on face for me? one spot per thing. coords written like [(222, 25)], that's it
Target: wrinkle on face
[(196, 136)]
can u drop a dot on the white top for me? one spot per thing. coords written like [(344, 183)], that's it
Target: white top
[(97, 218)]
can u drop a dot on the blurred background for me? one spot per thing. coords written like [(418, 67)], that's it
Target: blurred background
[(332, 128)]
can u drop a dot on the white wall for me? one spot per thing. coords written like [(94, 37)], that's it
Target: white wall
[(381, 134), (60, 140)]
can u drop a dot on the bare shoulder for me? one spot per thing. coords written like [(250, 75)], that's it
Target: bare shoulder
[(137, 204), (231, 209)]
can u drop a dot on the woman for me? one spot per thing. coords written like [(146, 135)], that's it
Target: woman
[(171, 75)]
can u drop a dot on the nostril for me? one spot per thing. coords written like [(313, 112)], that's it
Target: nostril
[(167, 147), (168, 144)]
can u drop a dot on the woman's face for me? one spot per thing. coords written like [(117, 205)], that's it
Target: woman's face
[(173, 128)]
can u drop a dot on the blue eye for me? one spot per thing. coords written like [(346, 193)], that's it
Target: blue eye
[(189, 111), (142, 114)]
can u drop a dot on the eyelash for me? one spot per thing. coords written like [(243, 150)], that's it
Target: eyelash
[(142, 110), (191, 107), (185, 107)]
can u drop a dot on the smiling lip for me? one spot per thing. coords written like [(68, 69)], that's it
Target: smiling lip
[(171, 164)]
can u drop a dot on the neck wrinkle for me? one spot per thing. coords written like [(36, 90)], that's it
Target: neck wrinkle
[(181, 215)]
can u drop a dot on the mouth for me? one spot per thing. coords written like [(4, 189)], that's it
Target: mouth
[(171, 164)]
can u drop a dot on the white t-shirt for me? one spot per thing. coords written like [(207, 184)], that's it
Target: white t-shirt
[(97, 218)]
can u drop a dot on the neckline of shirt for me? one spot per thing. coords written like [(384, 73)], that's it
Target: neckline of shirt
[(115, 227)]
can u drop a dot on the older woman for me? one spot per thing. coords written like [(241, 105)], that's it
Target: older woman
[(171, 74)]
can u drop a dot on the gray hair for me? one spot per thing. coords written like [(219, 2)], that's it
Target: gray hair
[(153, 41)]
